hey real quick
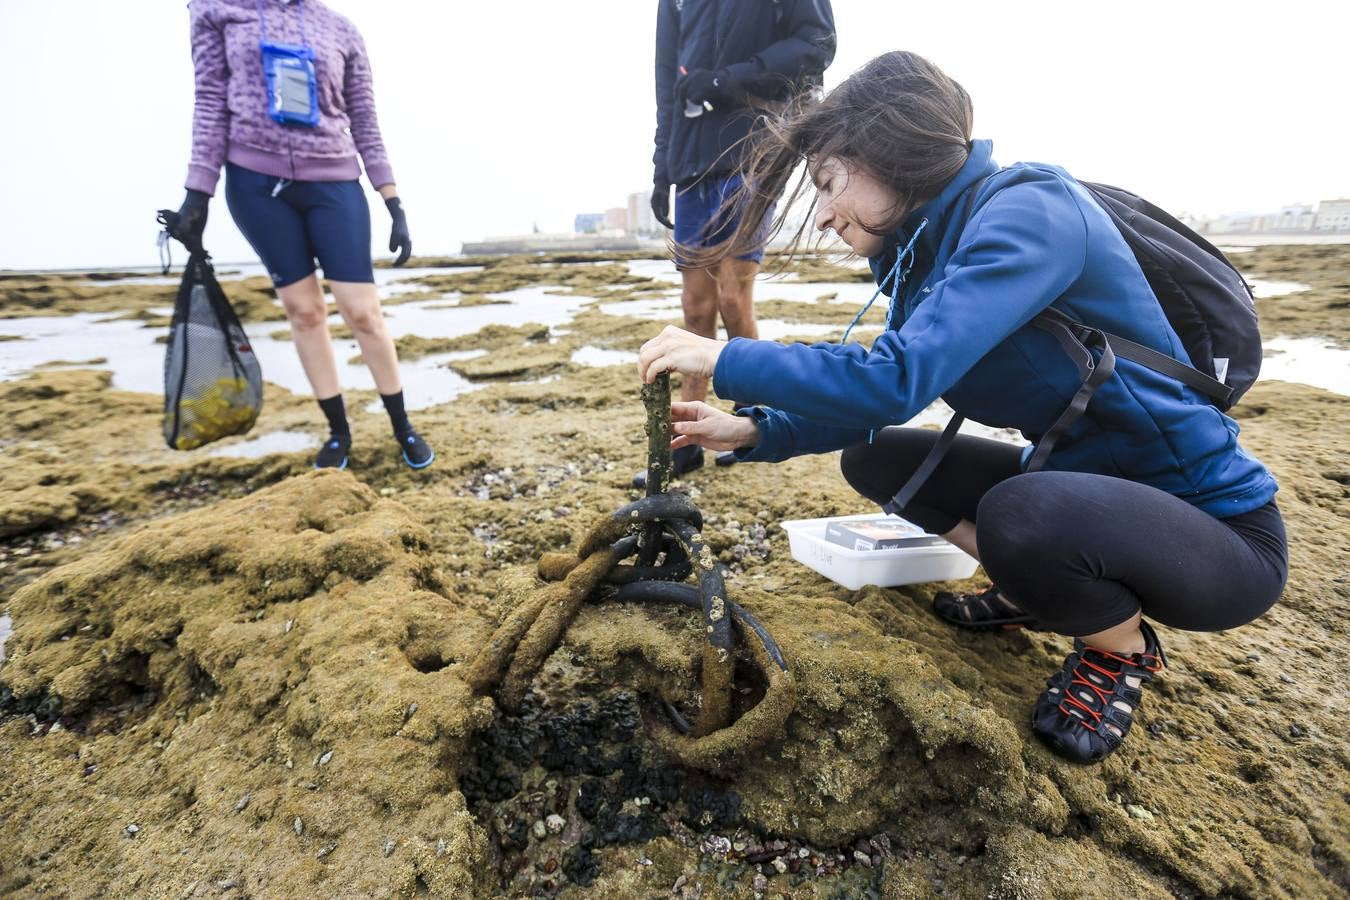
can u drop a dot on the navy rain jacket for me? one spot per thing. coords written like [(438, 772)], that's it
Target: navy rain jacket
[(767, 46), (1034, 239)]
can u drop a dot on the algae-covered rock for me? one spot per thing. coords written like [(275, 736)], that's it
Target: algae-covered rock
[(253, 648), (295, 654)]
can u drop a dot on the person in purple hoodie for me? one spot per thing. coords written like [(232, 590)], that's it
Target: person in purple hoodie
[(284, 102)]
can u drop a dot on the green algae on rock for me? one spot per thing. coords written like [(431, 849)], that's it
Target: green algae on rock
[(903, 729)]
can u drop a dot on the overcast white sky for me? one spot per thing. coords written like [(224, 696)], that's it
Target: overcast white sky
[(500, 115)]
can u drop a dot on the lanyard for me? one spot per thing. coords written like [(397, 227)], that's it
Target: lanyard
[(262, 22)]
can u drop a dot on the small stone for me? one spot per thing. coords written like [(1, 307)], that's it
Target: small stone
[(323, 760), (1295, 731), (1138, 812), (761, 884), (539, 829), (133, 830), (862, 858), (440, 847), (1192, 737), (779, 865), (803, 853), (1156, 729), (327, 849), (388, 846), (555, 824), (408, 713), (1287, 679), (551, 866), (739, 846), (299, 826), (1254, 657), (243, 803), (290, 764), (290, 623)]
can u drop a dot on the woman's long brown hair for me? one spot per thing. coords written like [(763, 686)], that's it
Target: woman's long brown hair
[(900, 118)]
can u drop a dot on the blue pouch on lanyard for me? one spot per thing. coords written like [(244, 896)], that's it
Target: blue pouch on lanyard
[(292, 88)]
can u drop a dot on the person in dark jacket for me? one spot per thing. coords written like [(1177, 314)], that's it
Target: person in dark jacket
[(293, 191), (1146, 506), (720, 64)]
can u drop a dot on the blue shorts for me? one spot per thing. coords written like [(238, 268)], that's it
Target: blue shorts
[(700, 220), (289, 228)]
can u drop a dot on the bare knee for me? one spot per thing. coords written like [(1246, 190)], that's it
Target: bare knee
[(305, 313), (735, 296), (699, 302), (362, 315)]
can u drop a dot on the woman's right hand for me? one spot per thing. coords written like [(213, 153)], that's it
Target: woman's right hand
[(697, 423), (191, 223)]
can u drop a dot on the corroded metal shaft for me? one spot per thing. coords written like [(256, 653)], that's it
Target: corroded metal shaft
[(659, 523)]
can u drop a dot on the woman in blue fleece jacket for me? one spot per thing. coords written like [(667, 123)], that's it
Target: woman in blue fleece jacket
[(1147, 505)]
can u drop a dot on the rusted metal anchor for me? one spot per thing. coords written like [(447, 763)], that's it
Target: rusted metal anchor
[(659, 523)]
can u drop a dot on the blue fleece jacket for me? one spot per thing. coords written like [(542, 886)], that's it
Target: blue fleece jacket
[(1032, 238)]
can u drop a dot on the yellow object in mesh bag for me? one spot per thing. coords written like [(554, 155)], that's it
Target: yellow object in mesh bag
[(223, 409), (213, 385)]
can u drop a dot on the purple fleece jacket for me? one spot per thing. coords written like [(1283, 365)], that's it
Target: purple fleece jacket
[(230, 120)]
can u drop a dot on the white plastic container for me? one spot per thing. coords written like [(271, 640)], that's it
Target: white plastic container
[(888, 568)]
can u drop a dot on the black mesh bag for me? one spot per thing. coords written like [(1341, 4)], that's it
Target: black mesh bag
[(212, 381)]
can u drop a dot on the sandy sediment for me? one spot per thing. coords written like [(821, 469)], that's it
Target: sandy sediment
[(270, 686)]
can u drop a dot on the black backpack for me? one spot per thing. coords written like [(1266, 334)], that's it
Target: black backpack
[(1207, 302)]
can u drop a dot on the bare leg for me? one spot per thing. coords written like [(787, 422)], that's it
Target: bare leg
[(735, 296), (699, 300), (963, 536), (308, 315), (360, 308), (1125, 638)]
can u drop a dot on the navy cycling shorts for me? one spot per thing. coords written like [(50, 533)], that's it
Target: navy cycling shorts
[(701, 221), (303, 221)]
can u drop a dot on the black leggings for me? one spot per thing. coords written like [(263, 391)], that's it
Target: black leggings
[(1079, 552)]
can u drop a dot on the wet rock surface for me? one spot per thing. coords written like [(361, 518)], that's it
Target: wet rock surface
[(223, 626)]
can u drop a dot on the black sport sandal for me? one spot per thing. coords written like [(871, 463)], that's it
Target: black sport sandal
[(985, 611), (1088, 706)]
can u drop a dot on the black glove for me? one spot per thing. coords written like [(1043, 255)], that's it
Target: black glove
[(661, 204), (399, 239), (717, 88), (191, 222)]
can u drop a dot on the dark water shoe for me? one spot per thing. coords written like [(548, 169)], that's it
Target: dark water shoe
[(333, 453), (417, 453)]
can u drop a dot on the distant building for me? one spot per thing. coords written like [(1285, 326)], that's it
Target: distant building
[(1333, 215), (1298, 217), (616, 219), (640, 218), (588, 223)]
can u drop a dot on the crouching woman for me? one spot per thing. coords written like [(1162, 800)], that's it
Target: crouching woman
[(1147, 508)]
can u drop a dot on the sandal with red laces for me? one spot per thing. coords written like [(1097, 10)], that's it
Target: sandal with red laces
[(1088, 706), (984, 611)]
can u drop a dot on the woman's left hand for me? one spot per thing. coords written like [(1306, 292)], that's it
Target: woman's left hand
[(677, 350), (399, 239)]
